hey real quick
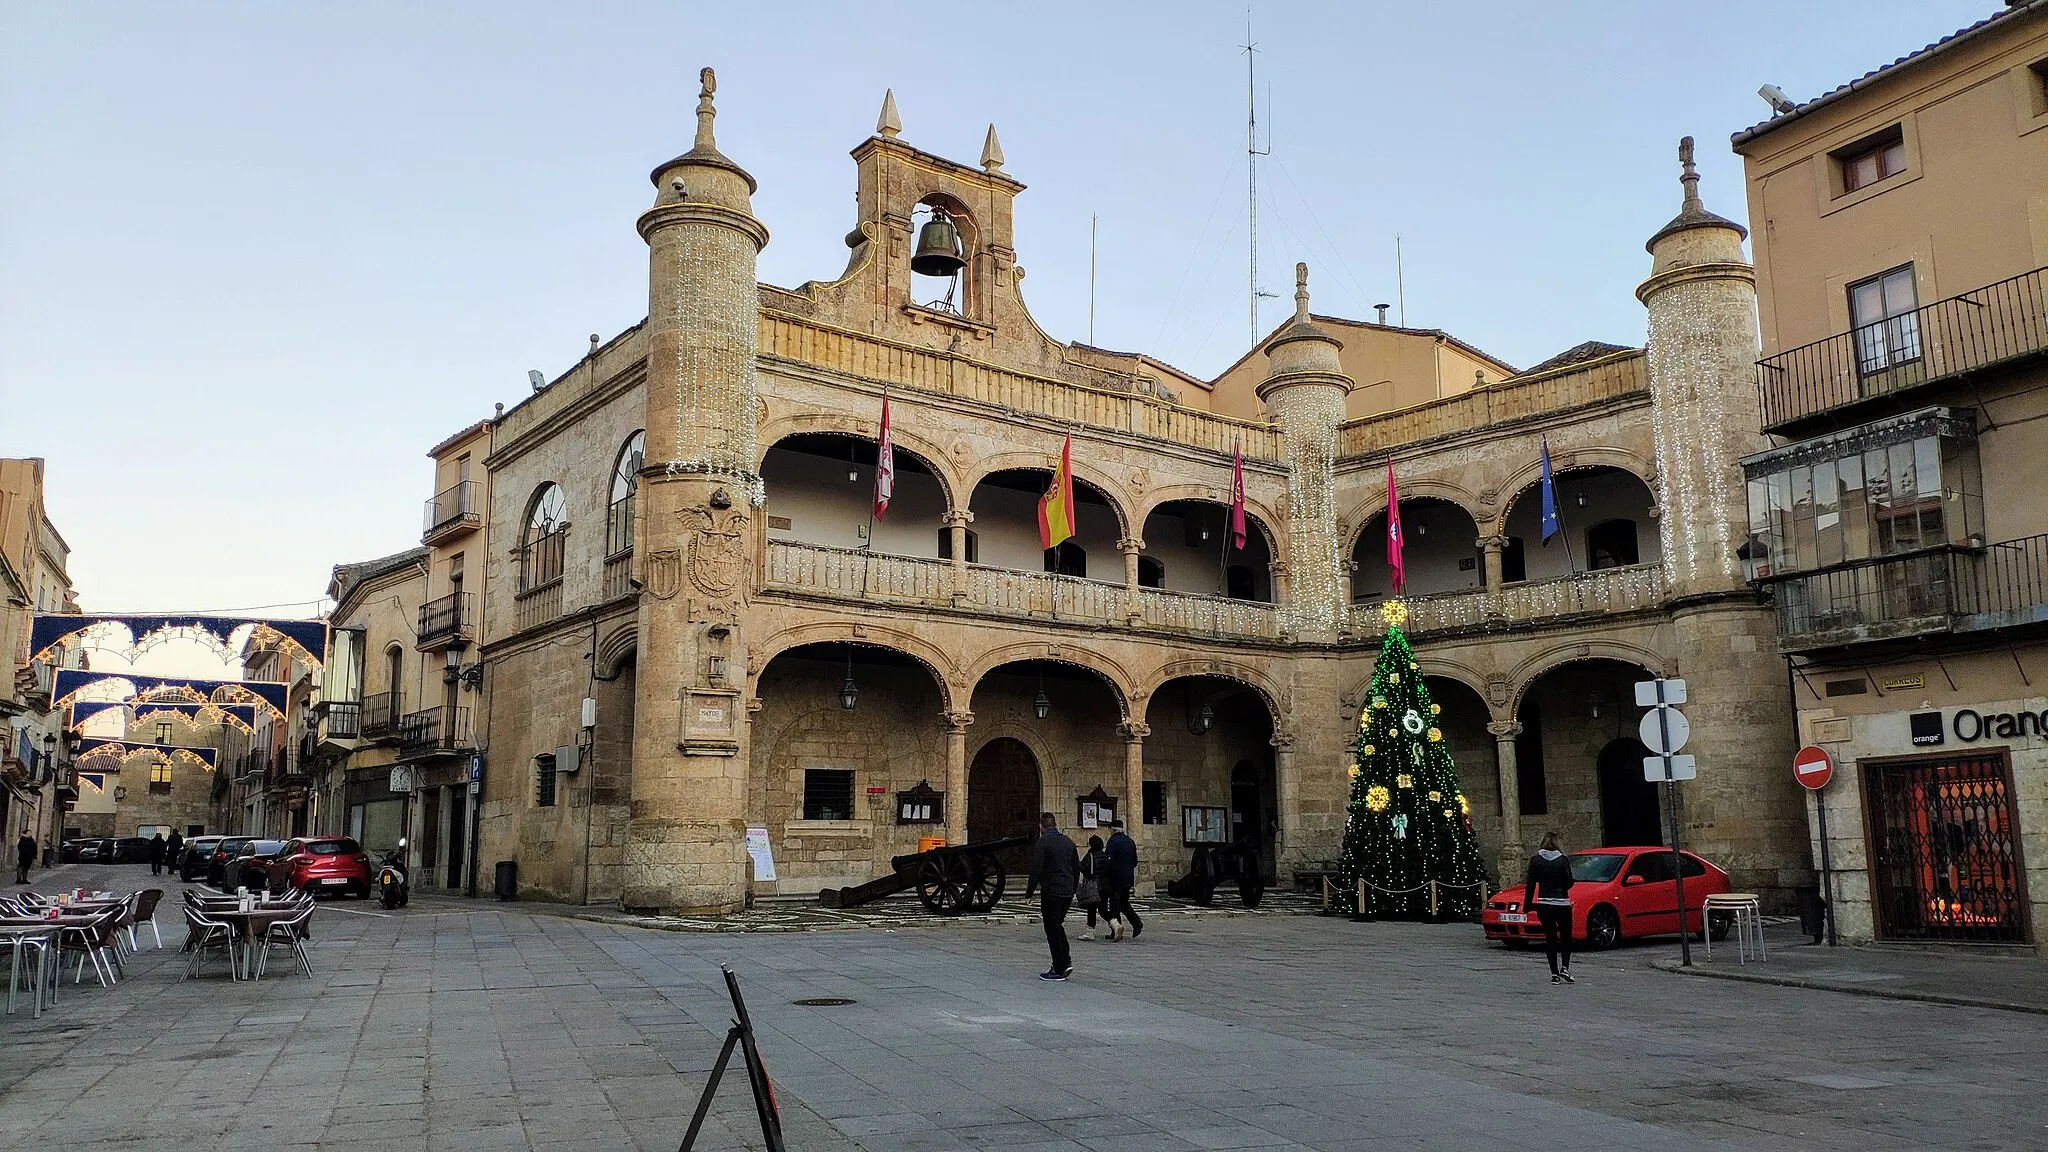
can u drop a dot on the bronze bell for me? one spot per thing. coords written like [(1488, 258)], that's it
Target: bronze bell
[(938, 248)]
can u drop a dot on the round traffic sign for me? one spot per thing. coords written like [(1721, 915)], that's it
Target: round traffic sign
[(1813, 768), (1664, 730)]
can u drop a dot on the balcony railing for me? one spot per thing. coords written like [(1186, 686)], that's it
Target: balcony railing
[(1992, 325), (451, 617), (1619, 376), (451, 508), (538, 605), (341, 720), (1606, 591), (380, 714), (922, 581), (441, 729), (1950, 589)]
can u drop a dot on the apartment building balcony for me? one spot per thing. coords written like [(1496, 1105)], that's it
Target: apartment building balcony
[(340, 723), (380, 715), (1602, 593), (448, 620), (1998, 326), (1946, 590), (435, 732), (452, 512), (919, 582)]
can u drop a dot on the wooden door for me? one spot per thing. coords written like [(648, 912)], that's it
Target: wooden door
[(1002, 791)]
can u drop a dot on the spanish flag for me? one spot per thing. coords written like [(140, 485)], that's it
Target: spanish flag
[(1056, 507)]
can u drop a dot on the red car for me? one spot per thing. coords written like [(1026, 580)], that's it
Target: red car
[(322, 864), (1617, 894)]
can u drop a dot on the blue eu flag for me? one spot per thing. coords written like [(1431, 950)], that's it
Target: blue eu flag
[(1551, 524)]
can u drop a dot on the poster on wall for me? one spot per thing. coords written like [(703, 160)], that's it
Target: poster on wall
[(1091, 815), (759, 851)]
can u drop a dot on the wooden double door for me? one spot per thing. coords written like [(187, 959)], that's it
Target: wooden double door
[(1003, 793)]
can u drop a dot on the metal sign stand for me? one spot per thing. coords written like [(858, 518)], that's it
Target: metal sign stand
[(741, 1035), (1660, 696), (1827, 872)]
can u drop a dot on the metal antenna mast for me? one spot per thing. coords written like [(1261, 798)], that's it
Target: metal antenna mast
[(1252, 154)]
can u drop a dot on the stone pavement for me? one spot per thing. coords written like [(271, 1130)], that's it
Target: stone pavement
[(481, 1025), (2008, 979)]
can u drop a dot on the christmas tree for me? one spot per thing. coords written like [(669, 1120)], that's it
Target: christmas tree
[(1409, 822)]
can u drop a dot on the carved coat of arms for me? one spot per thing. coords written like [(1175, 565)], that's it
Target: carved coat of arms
[(665, 573), (718, 560)]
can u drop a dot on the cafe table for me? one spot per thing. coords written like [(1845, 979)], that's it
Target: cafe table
[(48, 966), (252, 925)]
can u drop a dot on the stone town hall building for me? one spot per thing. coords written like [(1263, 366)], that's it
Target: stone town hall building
[(678, 528)]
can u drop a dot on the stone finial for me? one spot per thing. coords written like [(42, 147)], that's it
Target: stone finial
[(889, 123), (1301, 292), (991, 152), (708, 86), (1689, 176)]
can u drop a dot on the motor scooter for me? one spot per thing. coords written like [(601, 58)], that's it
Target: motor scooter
[(391, 879)]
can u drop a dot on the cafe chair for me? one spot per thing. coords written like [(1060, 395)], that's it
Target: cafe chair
[(97, 940), (291, 936), (145, 914), (208, 934)]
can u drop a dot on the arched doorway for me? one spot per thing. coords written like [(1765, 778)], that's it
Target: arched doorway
[(1247, 804), (1628, 803), (1002, 791)]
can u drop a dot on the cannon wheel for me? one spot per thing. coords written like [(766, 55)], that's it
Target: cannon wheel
[(1251, 888), (987, 883), (944, 881)]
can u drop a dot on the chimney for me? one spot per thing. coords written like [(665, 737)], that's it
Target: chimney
[(1382, 310)]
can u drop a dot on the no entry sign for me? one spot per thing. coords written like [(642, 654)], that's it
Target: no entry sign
[(1812, 767)]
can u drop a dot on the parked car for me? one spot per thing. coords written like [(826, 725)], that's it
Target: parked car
[(1617, 894), (80, 850), (322, 864), (251, 866), (191, 861), (128, 850), (224, 851)]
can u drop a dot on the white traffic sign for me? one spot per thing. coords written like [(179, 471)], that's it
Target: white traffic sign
[(1652, 693), (1664, 724), (1657, 769)]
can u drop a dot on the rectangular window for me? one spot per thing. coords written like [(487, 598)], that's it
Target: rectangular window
[(1872, 158), (1529, 783), (160, 775), (1883, 313), (1155, 801), (828, 794), (544, 780)]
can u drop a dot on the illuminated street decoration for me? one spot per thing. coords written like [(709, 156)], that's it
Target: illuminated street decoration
[(302, 640), (72, 681)]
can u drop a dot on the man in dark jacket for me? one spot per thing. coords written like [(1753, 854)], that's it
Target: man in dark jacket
[(24, 855), (157, 846), (1123, 876), (174, 851), (1055, 863)]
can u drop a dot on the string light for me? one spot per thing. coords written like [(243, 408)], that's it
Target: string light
[(1693, 364), (717, 316), (1309, 419)]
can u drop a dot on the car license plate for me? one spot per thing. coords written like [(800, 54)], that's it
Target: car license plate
[(1513, 918), (335, 880)]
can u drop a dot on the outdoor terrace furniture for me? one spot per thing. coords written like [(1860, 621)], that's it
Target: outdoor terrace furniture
[(39, 941), (145, 913), (289, 934), (207, 934), (1749, 922), (97, 936)]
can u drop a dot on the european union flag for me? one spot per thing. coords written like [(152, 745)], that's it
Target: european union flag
[(1551, 525)]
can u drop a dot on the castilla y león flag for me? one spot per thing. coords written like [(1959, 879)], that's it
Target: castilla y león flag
[(885, 463), (1237, 497), (1056, 507), (1394, 537)]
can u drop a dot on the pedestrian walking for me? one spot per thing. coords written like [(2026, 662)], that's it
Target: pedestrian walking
[(157, 846), (1123, 876), (1031, 874), (24, 855), (1088, 889), (1056, 865), (1548, 890), (174, 851)]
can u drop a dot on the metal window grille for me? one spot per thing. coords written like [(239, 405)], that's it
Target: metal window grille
[(828, 794), (1944, 850), (544, 780)]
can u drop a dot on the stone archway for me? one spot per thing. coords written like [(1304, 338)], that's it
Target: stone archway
[(1003, 791), (1629, 815)]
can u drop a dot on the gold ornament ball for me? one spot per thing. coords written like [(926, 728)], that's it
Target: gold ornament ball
[(1436, 736), (1436, 709), (1395, 734), (1447, 816), (1354, 771), (1395, 677), (1369, 750)]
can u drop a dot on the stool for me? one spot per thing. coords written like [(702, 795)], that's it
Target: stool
[(1749, 922)]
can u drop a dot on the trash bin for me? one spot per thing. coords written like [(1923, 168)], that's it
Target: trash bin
[(508, 879), (1812, 911)]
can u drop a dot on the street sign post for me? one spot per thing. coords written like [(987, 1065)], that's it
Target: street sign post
[(1664, 731), (1813, 768)]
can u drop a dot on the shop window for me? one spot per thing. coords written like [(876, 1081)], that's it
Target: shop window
[(1611, 544), (544, 780), (1151, 573), (1875, 157), (828, 794), (1155, 801), (1067, 559), (1883, 311), (946, 545)]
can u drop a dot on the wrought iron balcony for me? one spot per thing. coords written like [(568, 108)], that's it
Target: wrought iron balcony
[(381, 712), (341, 720), (452, 512), (1944, 590), (452, 617), (1999, 324), (436, 730)]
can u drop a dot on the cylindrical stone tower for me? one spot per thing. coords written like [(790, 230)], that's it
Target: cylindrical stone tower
[(1304, 393), (699, 491), (1744, 808)]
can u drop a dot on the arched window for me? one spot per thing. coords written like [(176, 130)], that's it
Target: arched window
[(1151, 573), (1067, 559), (394, 668), (618, 520), (541, 548), (1611, 544)]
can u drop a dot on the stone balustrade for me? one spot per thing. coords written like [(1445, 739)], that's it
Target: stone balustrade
[(1614, 377), (1609, 590)]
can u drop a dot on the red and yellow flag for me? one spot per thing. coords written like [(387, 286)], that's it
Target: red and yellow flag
[(1056, 507)]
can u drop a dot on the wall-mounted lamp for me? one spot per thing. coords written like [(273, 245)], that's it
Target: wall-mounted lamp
[(1594, 701), (1582, 504)]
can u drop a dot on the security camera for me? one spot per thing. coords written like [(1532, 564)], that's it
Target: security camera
[(1776, 98), (534, 377)]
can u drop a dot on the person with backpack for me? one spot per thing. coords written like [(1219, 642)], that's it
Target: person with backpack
[(1548, 891), (1088, 889)]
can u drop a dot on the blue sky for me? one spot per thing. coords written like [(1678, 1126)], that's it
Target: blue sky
[(256, 258)]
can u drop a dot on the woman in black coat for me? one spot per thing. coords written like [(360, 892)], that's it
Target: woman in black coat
[(1548, 891)]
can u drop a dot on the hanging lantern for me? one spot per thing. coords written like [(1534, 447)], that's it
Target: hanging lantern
[(849, 692)]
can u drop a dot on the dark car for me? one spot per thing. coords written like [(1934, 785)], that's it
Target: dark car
[(224, 851), (81, 850), (191, 861), (322, 864), (128, 850), (251, 866)]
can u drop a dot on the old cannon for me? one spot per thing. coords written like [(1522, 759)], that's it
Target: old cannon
[(1218, 864), (950, 880)]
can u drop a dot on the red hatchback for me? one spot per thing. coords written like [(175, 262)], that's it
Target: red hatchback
[(322, 864), (1617, 894)]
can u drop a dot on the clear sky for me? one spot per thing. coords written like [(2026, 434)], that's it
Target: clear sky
[(256, 258)]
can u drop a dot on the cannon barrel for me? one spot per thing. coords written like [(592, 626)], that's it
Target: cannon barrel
[(979, 848)]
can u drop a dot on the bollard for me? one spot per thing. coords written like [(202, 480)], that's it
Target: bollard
[(1326, 895), (1432, 898)]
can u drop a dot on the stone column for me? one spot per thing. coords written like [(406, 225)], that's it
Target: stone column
[(1130, 547), (956, 774), (1304, 393), (1493, 546), (1132, 811), (1288, 787), (956, 522), (1511, 853)]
